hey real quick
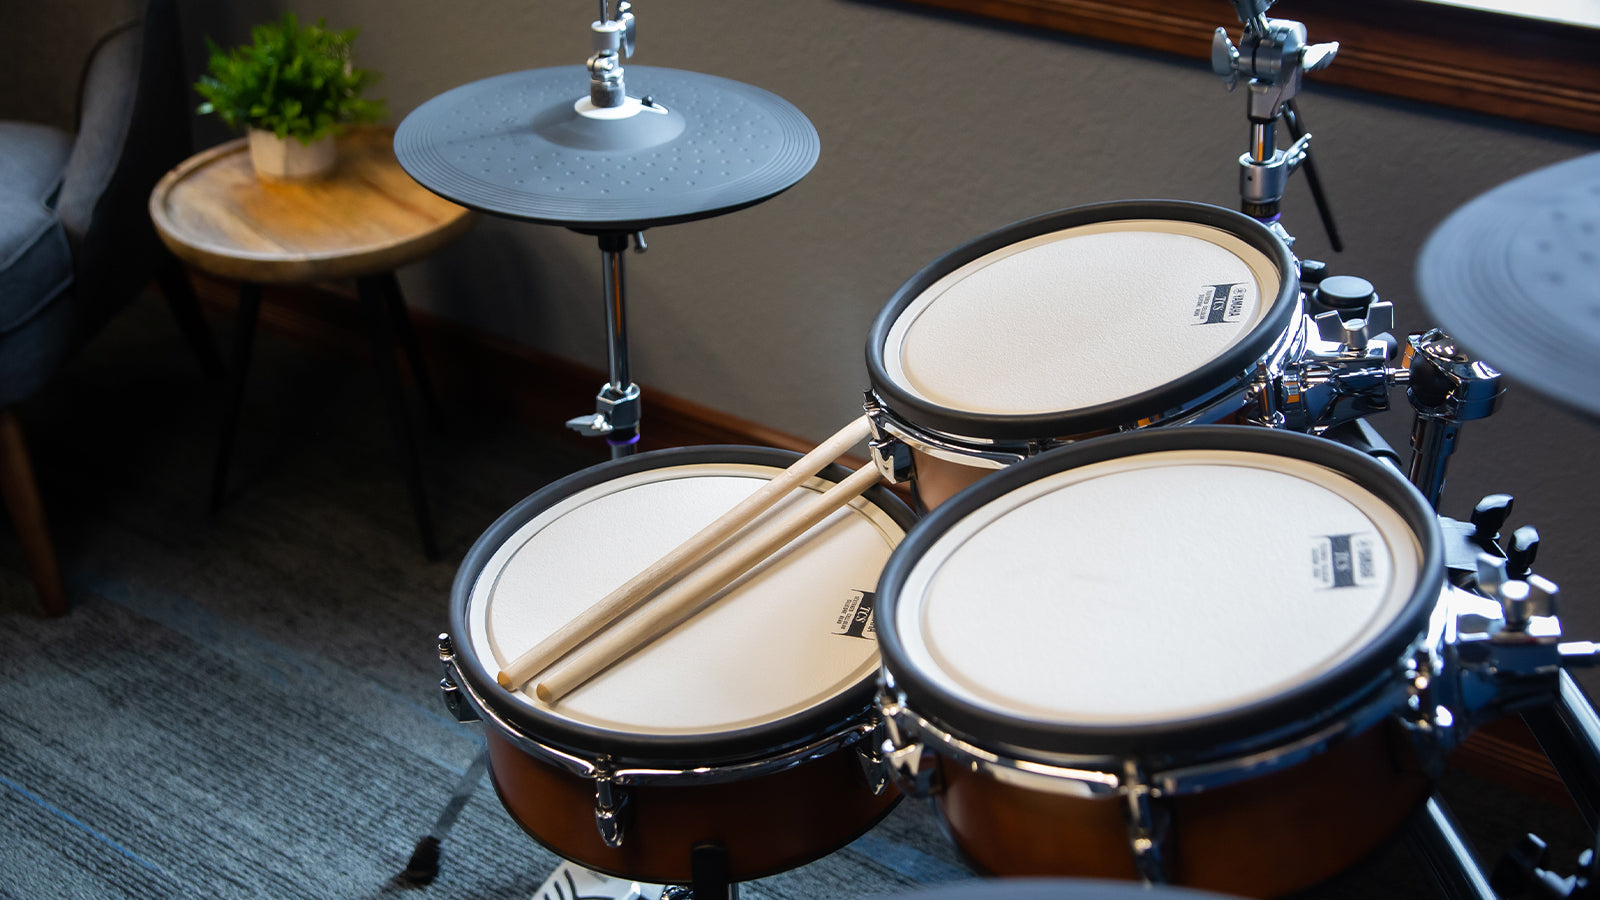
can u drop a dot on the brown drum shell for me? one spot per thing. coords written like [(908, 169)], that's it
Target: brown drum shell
[(936, 480), (768, 823), (1263, 837)]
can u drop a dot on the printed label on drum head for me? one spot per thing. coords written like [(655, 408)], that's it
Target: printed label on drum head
[(1219, 303), (1344, 560), (856, 619)]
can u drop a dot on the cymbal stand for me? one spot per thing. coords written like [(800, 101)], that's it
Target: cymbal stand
[(616, 415), (1274, 55)]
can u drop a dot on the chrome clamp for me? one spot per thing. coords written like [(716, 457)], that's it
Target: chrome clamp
[(615, 410), (613, 39)]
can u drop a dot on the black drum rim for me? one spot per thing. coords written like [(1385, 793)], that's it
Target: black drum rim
[(1217, 373), (1308, 707), (664, 750)]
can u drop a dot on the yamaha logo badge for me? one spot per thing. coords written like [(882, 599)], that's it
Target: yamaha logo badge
[(856, 618), (1219, 303), (1344, 560)]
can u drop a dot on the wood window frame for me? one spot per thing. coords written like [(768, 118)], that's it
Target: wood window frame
[(1530, 70)]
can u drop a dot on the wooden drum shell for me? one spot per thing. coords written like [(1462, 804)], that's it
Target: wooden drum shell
[(1263, 837), (768, 823)]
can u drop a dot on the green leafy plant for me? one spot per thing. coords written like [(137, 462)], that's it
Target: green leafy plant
[(293, 81)]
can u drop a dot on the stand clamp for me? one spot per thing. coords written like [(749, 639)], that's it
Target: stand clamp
[(1274, 55), (613, 40), (1343, 374), (616, 411), (1447, 388)]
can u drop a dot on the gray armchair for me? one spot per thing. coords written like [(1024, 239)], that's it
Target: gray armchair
[(76, 243)]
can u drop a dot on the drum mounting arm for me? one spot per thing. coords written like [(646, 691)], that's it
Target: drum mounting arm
[(1343, 372)]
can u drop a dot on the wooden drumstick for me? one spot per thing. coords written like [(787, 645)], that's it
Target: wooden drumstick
[(683, 599), (617, 603)]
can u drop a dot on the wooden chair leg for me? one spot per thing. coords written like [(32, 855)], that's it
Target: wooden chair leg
[(21, 495)]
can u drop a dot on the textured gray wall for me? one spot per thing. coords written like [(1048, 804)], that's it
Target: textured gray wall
[(934, 130)]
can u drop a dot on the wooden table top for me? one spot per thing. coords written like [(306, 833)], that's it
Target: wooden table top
[(367, 217)]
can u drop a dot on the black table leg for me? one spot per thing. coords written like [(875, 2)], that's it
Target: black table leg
[(244, 333), (408, 343), (185, 308), (375, 303)]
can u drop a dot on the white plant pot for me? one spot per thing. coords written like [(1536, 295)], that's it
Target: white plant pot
[(286, 159)]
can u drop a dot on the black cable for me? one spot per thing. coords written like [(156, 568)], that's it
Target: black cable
[(1291, 117)]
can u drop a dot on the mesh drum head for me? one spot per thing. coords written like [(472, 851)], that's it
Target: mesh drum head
[(1089, 318), (1080, 317), (1141, 592), (782, 640)]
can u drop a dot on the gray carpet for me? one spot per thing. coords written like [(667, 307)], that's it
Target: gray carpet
[(244, 704)]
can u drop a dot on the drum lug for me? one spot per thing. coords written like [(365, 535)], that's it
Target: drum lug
[(456, 702), (455, 699), (1426, 717), (869, 753), (610, 809), (1271, 392), (892, 455), (913, 767), (1147, 821)]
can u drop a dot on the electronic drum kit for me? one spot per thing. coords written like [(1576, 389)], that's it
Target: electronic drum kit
[(1093, 636)]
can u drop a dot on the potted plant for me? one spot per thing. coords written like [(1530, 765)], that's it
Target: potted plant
[(292, 89)]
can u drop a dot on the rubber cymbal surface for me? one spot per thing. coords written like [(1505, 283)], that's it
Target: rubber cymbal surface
[(514, 146), (1514, 276)]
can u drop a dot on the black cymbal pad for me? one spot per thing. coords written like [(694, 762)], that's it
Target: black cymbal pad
[(1514, 276), (515, 146)]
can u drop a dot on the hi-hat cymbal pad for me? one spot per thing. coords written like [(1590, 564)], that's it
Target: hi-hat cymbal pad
[(1514, 276), (686, 146)]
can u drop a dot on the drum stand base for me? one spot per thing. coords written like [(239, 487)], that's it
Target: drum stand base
[(708, 865), (1433, 835), (571, 881)]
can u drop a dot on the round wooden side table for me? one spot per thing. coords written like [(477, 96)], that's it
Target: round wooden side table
[(361, 222)]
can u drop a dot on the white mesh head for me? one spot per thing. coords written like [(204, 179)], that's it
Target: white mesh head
[(1079, 317), (1156, 588), (768, 647)]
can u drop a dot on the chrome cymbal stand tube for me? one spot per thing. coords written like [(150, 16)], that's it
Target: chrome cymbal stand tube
[(616, 415), (1273, 54), (1446, 388)]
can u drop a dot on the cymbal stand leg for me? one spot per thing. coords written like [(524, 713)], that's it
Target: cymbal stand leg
[(616, 415), (1433, 835), (1446, 388)]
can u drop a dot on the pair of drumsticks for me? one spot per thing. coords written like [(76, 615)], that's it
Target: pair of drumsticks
[(706, 567)]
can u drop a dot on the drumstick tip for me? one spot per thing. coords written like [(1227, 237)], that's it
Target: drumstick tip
[(504, 680)]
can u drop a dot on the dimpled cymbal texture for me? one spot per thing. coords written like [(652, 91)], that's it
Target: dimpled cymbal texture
[(1514, 276), (514, 146)]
